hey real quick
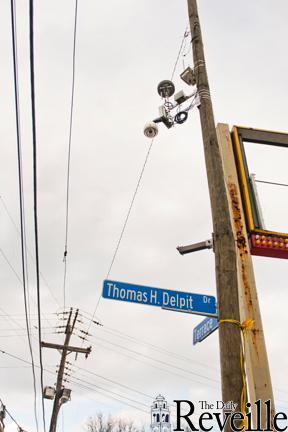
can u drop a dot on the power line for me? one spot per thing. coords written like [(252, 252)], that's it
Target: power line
[(109, 397), (69, 154), (4, 204), (19, 279), (21, 315), (102, 389), (155, 367), (9, 214), (11, 329), (133, 339), (22, 334), (120, 385), (14, 367), (91, 389), (133, 406), (21, 204), (9, 317), (129, 210), (124, 225), (10, 265), (73, 382), (186, 33), (16, 357), (271, 183), (32, 79), (115, 382), (12, 417), (157, 360), (136, 190), (160, 349)]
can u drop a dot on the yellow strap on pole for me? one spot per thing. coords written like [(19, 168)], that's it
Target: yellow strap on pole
[(244, 327)]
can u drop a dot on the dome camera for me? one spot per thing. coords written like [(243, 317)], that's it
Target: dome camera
[(166, 89), (150, 130)]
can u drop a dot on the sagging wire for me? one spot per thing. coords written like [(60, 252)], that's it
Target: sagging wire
[(179, 118), (5, 207), (34, 139), (69, 153), (3, 412), (124, 225), (271, 183), (186, 34), (24, 280)]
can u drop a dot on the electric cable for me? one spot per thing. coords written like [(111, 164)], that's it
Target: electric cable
[(11, 329), (69, 153), (73, 382), (102, 389), (120, 385), (24, 281), (271, 183), (70, 380), (181, 117), (19, 279), (32, 79), (160, 349), (22, 315), (4, 204), (109, 397), (10, 265), (168, 371), (15, 367), (22, 334), (156, 360), (124, 225), (129, 210), (115, 382), (9, 317), (186, 33), (93, 390), (11, 416), (132, 339)]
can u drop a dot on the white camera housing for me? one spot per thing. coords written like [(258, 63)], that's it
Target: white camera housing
[(150, 130), (180, 97)]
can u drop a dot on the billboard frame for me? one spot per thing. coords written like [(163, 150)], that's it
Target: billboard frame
[(262, 241)]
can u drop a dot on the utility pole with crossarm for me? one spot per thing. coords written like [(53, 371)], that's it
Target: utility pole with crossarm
[(60, 396)]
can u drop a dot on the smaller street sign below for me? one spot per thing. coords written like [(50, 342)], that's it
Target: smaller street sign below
[(175, 300), (204, 329)]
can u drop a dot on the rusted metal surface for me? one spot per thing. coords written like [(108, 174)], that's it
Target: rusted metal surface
[(237, 218), (243, 246), (257, 366)]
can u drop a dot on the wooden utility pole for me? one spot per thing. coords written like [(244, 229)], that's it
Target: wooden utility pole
[(224, 241), (257, 366), (66, 349), (2, 416)]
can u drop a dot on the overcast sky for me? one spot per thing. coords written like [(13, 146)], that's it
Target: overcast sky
[(124, 49)]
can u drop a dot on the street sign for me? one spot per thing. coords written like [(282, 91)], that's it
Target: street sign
[(175, 300), (204, 329)]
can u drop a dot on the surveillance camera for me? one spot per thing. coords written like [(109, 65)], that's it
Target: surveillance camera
[(180, 97), (166, 89), (150, 130)]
